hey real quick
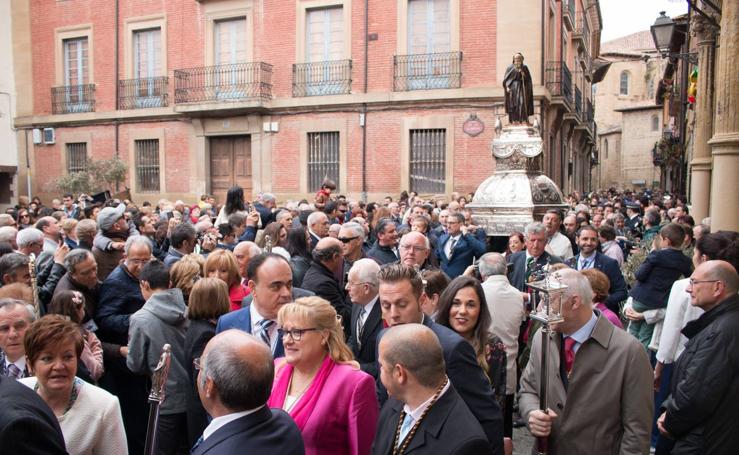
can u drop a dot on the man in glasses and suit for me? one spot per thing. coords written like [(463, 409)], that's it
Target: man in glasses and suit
[(366, 320)]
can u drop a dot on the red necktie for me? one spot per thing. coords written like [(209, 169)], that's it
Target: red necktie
[(569, 353)]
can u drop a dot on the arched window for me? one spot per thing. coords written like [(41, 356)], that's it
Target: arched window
[(624, 83), (605, 148), (655, 123)]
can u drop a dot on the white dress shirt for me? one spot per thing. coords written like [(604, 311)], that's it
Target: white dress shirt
[(218, 422), (448, 244), (256, 318), (582, 334)]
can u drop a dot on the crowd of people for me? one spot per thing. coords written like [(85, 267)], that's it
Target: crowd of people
[(333, 326)]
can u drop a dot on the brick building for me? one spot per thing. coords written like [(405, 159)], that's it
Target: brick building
[(274, 95)]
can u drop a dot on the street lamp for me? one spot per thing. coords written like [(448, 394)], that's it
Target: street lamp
[(662, 33)]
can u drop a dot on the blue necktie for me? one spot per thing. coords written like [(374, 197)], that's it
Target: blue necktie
[(197, 443), (405, 428)]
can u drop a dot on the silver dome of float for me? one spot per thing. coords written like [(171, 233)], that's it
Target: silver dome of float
[(517, 193)]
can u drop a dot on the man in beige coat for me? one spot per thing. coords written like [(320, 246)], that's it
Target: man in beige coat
[(604, 405)]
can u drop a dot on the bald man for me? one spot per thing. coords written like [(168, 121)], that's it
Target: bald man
[(325, 277), (233, 362), (415, 249), (431, 415), (599, 381), (699, 414)]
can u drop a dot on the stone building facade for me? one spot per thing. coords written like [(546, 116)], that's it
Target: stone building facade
[(380, 95), (629, 122)]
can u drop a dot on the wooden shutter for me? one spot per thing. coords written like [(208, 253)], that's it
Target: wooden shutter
[(230, 41), (147, 48), (324, 34)]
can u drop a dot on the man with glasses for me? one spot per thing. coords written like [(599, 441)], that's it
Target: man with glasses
[(120, 297), (325, 277), (351, 236), (414, 251), (15, 318), (458, 248), (366, 320), (699, 414)]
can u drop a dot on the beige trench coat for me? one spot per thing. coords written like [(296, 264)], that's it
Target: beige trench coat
[(608, 405)]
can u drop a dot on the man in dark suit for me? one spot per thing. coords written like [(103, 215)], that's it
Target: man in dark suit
[(27, 425), (15, 318), (265, 206), (366, 320), (457, 249), (233, 362), (271, 282), (325, 277), (590, 258), (401, 299), (385, 249), (317, 227), (525, 263), (431, 416)]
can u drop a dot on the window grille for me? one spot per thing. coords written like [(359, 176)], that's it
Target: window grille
[(323, 158), (147, 165), (428, 161), (76, 157)]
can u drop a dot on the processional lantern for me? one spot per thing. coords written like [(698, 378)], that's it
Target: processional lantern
[(546, 297)]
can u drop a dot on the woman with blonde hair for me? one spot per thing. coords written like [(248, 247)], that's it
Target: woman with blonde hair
[(208, 301), (320, 385), (222, 264), (186, 272)]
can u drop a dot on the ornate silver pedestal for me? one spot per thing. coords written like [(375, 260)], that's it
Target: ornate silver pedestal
[(517, 193)]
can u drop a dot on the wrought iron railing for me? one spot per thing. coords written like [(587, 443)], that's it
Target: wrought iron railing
[(569, 8), (559, 80), (582, 30), (143, 93), (427, 71), (322, 78), (231, 82), (69, 99), (578, 101)]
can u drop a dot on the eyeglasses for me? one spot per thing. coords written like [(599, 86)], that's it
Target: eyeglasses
[(416, 249), (196, 363), (347, 239), (138, 261), (296, 334), (693, 282)]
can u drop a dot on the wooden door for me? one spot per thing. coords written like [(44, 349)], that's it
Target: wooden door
[(230, 164)]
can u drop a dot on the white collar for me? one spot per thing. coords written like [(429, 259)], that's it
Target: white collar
[(418, 412), (368, 307), (218, 422)]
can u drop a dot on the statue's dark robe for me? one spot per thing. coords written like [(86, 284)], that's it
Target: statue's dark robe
[(519, 94)]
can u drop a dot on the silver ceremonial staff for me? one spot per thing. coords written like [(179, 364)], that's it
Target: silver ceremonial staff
[(156, 397)]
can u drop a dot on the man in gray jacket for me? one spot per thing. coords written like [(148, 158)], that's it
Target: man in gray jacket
[(162, 321)]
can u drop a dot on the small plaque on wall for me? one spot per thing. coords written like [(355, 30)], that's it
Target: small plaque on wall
[(473, 126)]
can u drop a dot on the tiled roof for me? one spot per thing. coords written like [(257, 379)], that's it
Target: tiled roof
[(636, 42)]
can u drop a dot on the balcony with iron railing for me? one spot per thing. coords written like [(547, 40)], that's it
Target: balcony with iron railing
[(578, 102), (232, 82), (559, 82), (427, 71), (568, 14), (590, 115), (143, 93), (71, 99), (322, 78), (581, 34)]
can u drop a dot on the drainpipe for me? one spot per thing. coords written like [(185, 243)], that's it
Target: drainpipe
[(364, 105), (117, 88)]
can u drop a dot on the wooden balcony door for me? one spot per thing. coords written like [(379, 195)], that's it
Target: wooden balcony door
[(230, 164)]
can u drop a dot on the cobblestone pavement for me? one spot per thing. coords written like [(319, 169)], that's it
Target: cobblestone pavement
[(522, 441)]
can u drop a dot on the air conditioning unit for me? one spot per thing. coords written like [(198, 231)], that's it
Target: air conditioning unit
[(37, 138), (49, 136)]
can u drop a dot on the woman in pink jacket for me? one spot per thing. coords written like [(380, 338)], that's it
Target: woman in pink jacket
[(320, 385)]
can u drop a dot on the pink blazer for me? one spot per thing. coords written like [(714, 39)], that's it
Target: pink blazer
[(344, 420)]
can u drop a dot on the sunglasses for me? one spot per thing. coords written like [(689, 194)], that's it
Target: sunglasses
[(347, 239)]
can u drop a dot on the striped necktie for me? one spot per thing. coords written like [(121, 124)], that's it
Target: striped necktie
[(13, 371), (264, 326), (360, 326)]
